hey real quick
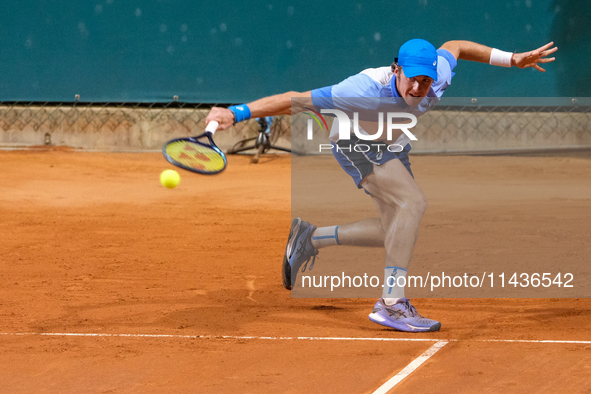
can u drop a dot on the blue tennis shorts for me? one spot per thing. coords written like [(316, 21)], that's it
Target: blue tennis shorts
[(357, 157)]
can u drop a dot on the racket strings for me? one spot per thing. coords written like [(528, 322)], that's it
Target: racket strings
[(195, 155)]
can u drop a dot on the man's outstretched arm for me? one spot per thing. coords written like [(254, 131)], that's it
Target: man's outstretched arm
[(279, 104), (467, 50)]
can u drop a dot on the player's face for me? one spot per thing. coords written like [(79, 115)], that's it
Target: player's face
[(414, 89)]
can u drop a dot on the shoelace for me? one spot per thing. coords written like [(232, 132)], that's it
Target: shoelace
[(411, 309), (313, 257)]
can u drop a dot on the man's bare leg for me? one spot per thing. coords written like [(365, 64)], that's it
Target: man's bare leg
[(366, 232), (401, 205)]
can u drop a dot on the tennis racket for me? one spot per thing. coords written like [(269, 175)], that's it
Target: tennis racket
[(197, 154)]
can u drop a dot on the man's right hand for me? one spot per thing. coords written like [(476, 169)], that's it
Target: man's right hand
[(223, 116)]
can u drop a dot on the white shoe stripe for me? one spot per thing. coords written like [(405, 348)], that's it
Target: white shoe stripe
[(418, 328), (376, 317)]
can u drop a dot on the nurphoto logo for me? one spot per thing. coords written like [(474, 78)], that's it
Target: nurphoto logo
[(394, 121)]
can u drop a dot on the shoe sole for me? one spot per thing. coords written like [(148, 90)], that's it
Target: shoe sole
[(375, 318), (295, 227)]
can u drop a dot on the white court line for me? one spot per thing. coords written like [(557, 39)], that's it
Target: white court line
[(439, 343), (528, 341), (410, 368), (75, 334)]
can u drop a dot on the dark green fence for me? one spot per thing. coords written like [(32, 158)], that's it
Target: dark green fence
[(205, 52)]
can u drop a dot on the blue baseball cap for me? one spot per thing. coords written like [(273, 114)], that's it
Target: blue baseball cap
[(418, 57)]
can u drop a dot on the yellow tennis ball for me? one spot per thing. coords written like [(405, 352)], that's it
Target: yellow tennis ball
[(170, 179)]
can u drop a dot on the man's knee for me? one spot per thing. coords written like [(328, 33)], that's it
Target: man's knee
[(420, 205), (415, 205)]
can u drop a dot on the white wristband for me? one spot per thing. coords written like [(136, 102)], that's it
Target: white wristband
[(500, 58)]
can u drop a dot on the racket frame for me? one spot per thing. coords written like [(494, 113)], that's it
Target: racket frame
[(209, 132)]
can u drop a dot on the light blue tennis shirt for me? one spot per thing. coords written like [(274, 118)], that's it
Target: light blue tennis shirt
[(377, 87)]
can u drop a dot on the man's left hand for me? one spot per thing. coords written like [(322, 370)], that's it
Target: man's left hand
[(533, 58)]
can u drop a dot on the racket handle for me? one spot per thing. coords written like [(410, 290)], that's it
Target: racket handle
[(212, 127)]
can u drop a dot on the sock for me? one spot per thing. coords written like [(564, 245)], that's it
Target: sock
[(325, 236), (390, 301), (393, 284)]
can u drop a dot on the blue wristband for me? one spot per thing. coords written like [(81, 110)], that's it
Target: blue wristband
[(241, 112)]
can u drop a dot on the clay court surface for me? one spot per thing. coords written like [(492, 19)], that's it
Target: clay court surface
[(179, 291)]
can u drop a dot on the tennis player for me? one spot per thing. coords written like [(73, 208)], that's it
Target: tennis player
[(419, 73)]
